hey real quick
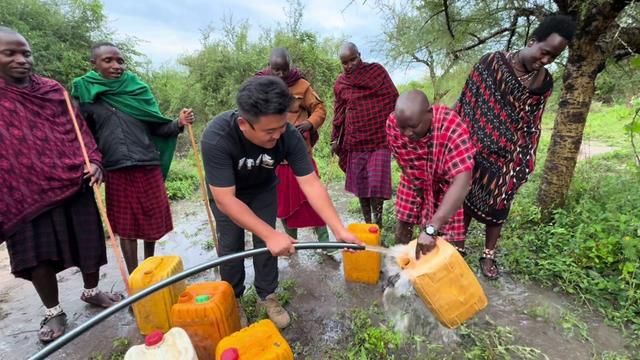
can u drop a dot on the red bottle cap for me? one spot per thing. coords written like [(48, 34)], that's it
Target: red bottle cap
[(230, 354), (373, 229), (154, 338)]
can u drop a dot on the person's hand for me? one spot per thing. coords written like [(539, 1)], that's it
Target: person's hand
[(95, 173), (186, 117), (334, 148), (280, 244), (424, 244), (347, 237), (304, 126)]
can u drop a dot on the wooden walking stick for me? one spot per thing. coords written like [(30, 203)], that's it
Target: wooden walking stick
[(203, 186), (98, 196)]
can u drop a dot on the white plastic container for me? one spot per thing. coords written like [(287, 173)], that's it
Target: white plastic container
[(174, 345)]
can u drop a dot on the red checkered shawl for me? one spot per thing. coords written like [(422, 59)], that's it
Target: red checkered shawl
[(432, 162), (363, 101), (40, 163)]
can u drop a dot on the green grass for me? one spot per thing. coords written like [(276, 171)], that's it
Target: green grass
[(182, 182)]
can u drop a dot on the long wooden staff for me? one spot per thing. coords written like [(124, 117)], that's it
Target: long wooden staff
[(98, 196), (203, 186)]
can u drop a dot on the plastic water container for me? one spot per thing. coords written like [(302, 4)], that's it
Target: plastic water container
[(445, 283), (174, 345), (154, 311), (261, 340), (363, 266), (208, 312)]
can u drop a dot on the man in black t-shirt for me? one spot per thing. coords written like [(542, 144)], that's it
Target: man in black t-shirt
[(241, 150)]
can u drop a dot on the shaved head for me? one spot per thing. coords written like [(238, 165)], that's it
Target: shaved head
[(16, 62), (349, 57), (348, 47), (280, 55), (413, 114), (280, 62)]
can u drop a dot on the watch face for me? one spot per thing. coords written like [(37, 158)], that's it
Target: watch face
[(430, 230)]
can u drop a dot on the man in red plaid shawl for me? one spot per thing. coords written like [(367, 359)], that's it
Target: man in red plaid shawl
[(433, 148), (364, 98)]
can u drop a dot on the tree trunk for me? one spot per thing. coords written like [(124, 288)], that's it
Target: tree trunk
[(586, 60), (573, 108)]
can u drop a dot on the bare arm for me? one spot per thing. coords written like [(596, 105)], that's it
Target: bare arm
[(452, 200), (320, 201)]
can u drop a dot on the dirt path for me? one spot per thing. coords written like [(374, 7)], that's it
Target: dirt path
[(320, 304)]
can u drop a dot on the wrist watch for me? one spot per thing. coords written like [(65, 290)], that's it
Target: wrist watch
[(431, 231)]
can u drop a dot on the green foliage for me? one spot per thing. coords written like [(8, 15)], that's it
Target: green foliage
[(182, 181), (370, 341), (60, 33), (619, 81), (592, 247), (120, 347), (495, 343)]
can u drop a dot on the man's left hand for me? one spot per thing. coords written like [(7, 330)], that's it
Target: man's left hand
[(304, 126), (186, 117), (95, 173), (424, 244), (345, 236)]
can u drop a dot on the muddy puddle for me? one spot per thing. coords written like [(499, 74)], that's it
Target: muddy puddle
[(321, 303)]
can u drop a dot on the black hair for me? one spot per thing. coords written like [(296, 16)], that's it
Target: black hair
[(264, 95), (562, 25), (96, 46)]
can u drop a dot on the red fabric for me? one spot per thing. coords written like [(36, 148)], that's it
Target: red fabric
[(368, 174), (503, 116), (430, 164), (290, 80), (363, 101), (293, 206), (137, 203), (41, 163)]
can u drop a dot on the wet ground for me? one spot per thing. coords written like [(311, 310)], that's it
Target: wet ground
[(320, 304)]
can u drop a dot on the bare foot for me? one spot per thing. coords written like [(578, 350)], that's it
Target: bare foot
[(102, 299), (489, 268), (52, 328)]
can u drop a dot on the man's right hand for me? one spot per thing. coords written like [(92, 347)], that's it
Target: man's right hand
[(280, 244)]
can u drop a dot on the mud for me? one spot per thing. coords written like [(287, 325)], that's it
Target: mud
[(320, 304)]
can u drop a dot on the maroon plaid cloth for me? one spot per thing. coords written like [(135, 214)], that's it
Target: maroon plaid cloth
[(41, 164), (369, 174), (429, 166), (363, 101), (137, 203)]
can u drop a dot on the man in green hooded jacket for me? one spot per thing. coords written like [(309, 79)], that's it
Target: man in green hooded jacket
[(137, 143)]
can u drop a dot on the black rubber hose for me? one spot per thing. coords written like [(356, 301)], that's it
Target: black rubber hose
[(71, 335)]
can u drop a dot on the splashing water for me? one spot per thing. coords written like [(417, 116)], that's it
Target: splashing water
[(392, 252)]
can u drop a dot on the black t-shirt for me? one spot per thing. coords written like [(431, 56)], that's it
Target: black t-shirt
[(232, 160)]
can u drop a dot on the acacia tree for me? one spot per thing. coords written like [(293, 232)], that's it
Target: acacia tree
[(442, 33)]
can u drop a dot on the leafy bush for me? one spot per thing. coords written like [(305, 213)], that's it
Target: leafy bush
[(182, 181)]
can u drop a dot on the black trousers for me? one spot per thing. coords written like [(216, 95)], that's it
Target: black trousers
[(231, 241)]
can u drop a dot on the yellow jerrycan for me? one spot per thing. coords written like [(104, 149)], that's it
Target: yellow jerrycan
[(154, 311), (363, 266), (444, 282), (261, 340)]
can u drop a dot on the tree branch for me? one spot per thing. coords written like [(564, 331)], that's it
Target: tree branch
[(431, 17), (563, 6), (421, 61), (445, 6), (626, 42), (482, 40), (514, 24)]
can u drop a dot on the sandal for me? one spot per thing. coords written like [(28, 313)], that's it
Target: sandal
[(46, 333), (489, 256), (94, 300), (461, 251)]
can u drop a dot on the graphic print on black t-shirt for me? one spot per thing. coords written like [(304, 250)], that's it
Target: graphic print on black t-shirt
[(232, 160)]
